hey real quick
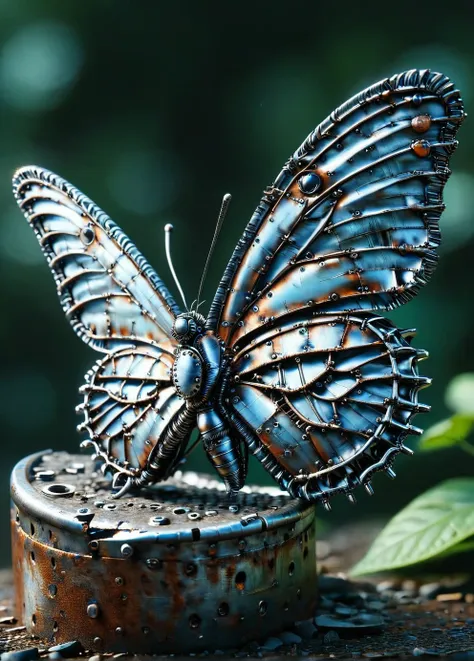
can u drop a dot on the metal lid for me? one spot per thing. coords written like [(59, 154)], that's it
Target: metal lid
[(66, 492)]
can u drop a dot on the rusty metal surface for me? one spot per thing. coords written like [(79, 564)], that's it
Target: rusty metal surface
[(172, 570), (393, 618)]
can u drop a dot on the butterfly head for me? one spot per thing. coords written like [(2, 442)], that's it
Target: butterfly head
[(187, 326)]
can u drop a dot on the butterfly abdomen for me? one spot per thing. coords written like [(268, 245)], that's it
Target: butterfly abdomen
[(222, 449)]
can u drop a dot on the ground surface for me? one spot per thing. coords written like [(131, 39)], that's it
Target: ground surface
[(391, 618)]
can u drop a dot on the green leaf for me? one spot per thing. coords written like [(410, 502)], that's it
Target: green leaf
[(460, 393), (437, 520), (464, 547), (452, 431)]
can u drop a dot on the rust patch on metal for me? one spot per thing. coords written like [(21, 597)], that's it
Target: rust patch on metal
[(422, 148), (109, 574), (421, 123)]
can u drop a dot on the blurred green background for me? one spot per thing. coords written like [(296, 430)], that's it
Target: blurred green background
[(155, 110)]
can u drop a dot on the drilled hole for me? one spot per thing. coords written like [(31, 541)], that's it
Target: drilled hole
[(33, 619), (32, 556), (223, 609), (240, 579), (32, 528), (194, 621), (305, 553), (53, 563), (291, 568), (58, 489), (286, 606), (55, 627)]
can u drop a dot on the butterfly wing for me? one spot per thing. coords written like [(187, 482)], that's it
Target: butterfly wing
[(118, 305), (130, 407), (326, 402), (321, 389), (109, 293), (351, 222)]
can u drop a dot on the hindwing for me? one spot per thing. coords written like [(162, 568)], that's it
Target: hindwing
[(325, 403)]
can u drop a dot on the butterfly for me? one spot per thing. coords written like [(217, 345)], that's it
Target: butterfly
[(294, 363)]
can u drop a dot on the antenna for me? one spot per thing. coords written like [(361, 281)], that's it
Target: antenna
[(220, 220), (168, 230)]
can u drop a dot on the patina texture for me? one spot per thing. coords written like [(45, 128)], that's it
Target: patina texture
[(173, 570)]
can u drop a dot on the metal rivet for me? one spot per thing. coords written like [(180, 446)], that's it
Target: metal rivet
[(119, 580), (45, 476), (97, 640), (421, 123), (119, 631), (87, 235), (126, 550), (262, 608), (53, 590), (153, 563), (190, 569), (421, 148), (92, 610), (309, 183)]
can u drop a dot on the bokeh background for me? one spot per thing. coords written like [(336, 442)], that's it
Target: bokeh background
[(155, 109)]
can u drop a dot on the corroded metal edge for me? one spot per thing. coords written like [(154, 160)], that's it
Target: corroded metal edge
[(178, 588)]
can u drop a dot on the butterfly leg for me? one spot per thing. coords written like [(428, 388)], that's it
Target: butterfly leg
[(222, 449), (130, 482)]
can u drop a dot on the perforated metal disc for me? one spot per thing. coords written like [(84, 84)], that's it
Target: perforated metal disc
[(172, 569)]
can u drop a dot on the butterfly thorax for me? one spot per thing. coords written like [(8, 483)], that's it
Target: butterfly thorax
[(197, 358)]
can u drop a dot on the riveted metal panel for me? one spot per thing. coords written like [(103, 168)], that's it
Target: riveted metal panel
[(171, 570)]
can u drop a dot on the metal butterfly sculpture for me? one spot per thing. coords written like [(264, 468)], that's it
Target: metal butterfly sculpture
[(293, 363)]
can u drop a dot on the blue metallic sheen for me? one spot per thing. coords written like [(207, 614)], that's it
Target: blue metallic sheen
[(294, 362)]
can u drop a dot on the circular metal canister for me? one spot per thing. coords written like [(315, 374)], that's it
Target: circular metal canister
[(170, 570)]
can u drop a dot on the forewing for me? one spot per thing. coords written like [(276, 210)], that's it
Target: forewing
[(351, 222), (325, 403), (108, 291), (129, 403)]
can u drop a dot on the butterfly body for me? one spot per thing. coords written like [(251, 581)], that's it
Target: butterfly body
[(198, 368), (294, 363)]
